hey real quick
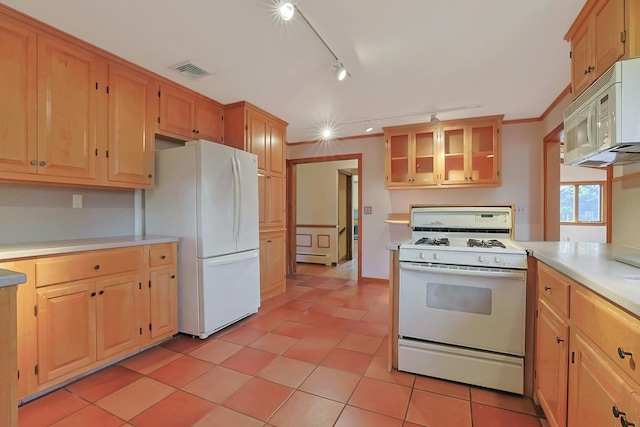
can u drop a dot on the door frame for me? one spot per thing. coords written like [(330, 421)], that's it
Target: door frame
[(349, 209), (551, 188), (292, 205)]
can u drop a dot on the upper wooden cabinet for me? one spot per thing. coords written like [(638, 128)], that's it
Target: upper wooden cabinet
[(454, 153), (184, 115), (603, 32), (18, 102), (130, 138)]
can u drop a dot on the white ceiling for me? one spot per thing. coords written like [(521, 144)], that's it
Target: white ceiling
[(404, 56)]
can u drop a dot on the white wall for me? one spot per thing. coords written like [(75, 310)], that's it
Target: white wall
[(522, 169), (626, 206), (32, 213)]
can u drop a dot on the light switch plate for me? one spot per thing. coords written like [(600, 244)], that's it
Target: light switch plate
[(77, 201), (367, 210)]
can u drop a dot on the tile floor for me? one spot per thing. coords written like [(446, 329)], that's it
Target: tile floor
[(315, 356)]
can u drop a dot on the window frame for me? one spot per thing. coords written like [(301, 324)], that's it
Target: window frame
[(603, 206)]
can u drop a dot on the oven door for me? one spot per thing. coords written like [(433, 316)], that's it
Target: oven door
[(474, 307)]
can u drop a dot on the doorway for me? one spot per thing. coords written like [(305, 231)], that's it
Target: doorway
[(352, 261)]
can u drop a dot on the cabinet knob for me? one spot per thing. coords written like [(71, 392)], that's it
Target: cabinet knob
[(197, 132), (173, 276), (97, 267), (625, 423), (43, 163), (101, 292), (268, 241), (34, 162), (93, 294), (559, 340), (617, 412), (149, 176), (623, 353), (193, 130), (547, 288), (163, 256)]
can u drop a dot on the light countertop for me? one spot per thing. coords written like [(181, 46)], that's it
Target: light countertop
[(27, 250), (10, 278), (592, 265)]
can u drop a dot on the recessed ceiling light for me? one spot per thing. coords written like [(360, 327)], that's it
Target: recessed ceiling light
[(286, 10), (326, 134)]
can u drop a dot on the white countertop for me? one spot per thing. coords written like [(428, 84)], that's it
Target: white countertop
[(26, 250), (10, 278), (592, 265)]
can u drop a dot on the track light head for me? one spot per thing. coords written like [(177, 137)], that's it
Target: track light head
[(434, 120), (339, 70), (368, 126), (286, 10)]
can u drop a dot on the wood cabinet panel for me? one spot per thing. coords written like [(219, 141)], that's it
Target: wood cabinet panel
[(66, 328), (177, 112), (18, 103), (555, 287), (209, 121), (258, 138), (272, 264), (608, 24), (131, 139), (161, 254), (163, 287), (67, 101), (117, 311), (276, 149), (552, 362)]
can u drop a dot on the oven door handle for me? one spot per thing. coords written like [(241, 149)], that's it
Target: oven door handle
[(494, 272)]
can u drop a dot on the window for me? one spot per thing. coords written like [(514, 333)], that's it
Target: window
[(581, 203)]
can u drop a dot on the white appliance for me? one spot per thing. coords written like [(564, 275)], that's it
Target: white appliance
[(602, 126), (207, 194), (462, 291)]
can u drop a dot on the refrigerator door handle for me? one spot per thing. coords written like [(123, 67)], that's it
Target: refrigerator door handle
[(240, 193), (231, 259), (236, 195)]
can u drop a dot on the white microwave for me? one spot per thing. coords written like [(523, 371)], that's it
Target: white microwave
[(602, 126)]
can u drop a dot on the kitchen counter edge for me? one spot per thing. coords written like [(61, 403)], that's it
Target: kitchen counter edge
[(57, 247), (11, 278), (593, 266)]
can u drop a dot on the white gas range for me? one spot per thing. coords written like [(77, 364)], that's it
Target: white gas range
[(462, 297)]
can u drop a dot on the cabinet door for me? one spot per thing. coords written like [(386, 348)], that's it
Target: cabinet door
[(275, 194), (551, 365), (595, 388), (581, 74), (163, 287), (117, 314), (608, 24), (67, 102), (453, 155), (131, 136), (483, 153), (424, 157), (208, 121), (177, 112), (272, 267), (276, 149), (18, 101), (66, 328), (257, 135), (398, 149)]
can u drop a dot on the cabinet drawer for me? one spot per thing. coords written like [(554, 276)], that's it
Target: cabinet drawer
[(610, 328), (85, 265), (554, 287), (161, 255)]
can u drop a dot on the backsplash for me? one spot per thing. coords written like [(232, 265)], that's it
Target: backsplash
[(32, 213)]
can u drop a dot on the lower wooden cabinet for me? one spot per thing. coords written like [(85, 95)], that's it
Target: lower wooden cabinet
[(66, 328), (552, 361), (272, 268)]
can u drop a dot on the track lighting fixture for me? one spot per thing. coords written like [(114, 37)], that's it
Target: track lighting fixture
[(368, 127), (287, 10), (434, 120)]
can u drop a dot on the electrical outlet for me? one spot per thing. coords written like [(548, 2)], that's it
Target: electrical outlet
[(77, 201), (368, 210)]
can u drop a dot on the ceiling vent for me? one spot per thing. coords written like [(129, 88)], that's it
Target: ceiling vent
[(190, 70)]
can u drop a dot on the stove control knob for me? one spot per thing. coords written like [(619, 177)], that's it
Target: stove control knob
[(497, 260), (435, 256), (480, 258), (421, 255)]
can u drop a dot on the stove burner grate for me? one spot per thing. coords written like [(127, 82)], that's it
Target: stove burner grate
[(493, 243), (443, 241)]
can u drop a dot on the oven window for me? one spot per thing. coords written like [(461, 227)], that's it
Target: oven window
[(465, 299)]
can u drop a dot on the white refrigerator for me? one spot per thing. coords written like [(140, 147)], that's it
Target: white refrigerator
[(207, 194)]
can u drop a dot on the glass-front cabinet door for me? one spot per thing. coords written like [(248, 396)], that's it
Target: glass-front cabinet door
[(453, 146), (424, 170), (483, 158), (398, 158)]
